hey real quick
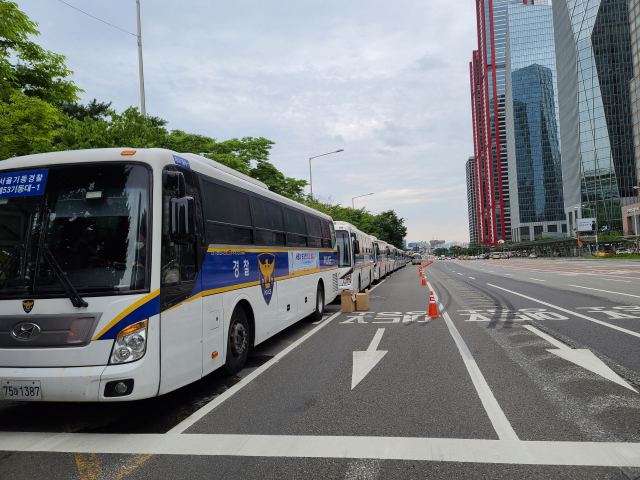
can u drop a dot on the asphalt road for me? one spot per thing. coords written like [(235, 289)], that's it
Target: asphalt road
[(532, 371)]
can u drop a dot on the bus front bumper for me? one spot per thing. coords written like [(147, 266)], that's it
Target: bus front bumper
[(84, 384)]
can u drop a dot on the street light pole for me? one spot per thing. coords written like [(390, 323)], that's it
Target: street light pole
[(311, 158), (353, 205), (143, 109)]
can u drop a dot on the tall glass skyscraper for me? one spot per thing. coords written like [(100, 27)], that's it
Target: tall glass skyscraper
[(533, 137), (488, 103), (594, 61)]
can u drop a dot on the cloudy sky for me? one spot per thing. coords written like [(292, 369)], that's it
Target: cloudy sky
[(387, 81)]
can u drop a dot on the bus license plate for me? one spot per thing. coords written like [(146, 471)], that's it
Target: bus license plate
[(21, 390)]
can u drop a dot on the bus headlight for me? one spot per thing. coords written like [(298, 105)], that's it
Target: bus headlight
[(346, 280), (130, 344)]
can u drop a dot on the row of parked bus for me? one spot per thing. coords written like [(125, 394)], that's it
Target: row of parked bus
[(126, 274), (363, 259)]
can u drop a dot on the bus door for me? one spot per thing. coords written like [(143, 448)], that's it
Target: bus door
[(181, 324)]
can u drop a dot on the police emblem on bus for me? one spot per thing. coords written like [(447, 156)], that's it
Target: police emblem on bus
[(27, 305), (267, 262)]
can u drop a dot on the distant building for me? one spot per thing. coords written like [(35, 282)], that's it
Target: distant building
[(595, 68), (436, 244), (472, 201), (532, 125), (404, 244)]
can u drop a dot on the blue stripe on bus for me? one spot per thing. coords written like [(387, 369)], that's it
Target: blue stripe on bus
[(146, 307)]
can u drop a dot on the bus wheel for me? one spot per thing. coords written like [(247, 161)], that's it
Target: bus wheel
[(238, 342), (317, 315)]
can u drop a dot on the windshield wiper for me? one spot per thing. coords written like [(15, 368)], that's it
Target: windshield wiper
[(68, 287)]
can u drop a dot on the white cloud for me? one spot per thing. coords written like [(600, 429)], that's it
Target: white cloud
[(386, 81)]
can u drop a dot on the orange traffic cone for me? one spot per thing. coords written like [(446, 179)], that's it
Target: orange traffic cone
[(424, 281), (420, 271), (433, 309)]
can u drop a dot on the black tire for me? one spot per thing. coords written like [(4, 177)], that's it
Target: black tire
[(237, 342), (317, 315)]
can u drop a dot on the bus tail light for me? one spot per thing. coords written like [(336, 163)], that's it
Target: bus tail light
[(130, 344)]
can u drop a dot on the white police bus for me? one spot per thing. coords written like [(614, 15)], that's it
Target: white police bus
[(381, 263), (355, 257), (126, 274)]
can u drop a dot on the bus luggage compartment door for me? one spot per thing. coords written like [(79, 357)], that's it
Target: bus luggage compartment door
[(212, 334)]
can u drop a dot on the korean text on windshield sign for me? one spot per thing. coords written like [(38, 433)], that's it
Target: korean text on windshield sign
[(24, 183)]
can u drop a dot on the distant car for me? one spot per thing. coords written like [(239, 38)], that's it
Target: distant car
[(533, 255), (496, 256), (416, 259), (625, 250)]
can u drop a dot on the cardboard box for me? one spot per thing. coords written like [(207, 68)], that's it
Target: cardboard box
[(362, 301), (347, 301)]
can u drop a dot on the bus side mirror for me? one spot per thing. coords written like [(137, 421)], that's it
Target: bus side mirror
[(174, 180), (183, 223)]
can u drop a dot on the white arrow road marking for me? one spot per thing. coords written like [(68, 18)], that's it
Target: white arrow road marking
[(581, 357), (363, 362)]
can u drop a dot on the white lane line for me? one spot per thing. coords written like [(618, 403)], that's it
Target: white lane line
[(615, 327), (497, 417), (372, 289), (538, 279), (605, 291), (603, 454), (472, 278), (613, 280), (508, 274), (198, 414), (324, 317)]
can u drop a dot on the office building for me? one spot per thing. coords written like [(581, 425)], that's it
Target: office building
[(594, 69), (472, 203), (533, 137), (631, 213), (487, 75)]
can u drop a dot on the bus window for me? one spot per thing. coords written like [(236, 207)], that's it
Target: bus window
[(228, 215), (179, 263), (295, 227), (342, 245), (333, 235), (269, 222), (327, 239)]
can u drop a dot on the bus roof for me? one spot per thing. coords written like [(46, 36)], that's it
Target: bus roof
[(153, 156)]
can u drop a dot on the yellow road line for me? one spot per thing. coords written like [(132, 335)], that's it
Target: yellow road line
[(132, 464), (88, 466)]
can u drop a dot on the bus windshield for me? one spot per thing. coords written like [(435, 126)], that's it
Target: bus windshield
[(344, 252), (94, 221)]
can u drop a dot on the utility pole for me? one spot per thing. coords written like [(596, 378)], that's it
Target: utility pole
[(143, 109)]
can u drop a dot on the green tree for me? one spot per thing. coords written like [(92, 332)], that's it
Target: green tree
[(27, 67), (386, 226), (26, 125), (128, 129), (93, 109), (390, 227)]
